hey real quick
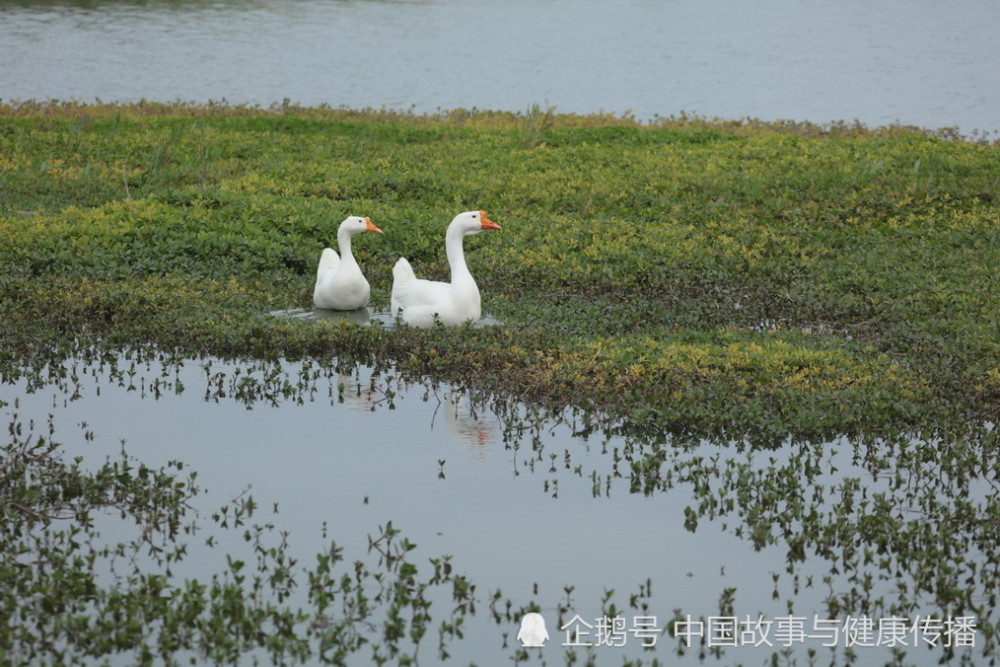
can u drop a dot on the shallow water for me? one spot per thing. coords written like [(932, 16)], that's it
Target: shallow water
[(361, 316), (918, 62), (525, 505)]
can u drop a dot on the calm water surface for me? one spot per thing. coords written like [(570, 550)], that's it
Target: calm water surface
[(514, 511), (920, 62)]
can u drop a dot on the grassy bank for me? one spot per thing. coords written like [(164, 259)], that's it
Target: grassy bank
[(694, 277)]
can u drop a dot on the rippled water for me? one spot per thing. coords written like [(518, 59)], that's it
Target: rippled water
[(919, 62)]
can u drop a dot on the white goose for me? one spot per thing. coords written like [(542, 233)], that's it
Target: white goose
[(340, 285), (419, 301)]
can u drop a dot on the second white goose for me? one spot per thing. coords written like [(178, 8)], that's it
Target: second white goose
[(418, 302)]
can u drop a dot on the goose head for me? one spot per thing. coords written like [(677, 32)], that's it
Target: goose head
[(472, 222), (356, 224)]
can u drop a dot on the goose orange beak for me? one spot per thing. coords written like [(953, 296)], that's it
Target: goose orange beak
[(486, 223), (369, 227)]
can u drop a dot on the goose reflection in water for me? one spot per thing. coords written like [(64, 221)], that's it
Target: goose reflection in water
[(475, 431), (359, 396)]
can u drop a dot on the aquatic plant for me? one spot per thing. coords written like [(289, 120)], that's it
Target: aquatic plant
[(70, 593), (771, 288)]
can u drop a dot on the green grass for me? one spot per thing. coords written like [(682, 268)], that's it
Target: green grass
[(691, 279), (710, 278)]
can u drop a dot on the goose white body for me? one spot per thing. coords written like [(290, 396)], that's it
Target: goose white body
[(340, 283), (422, 302)]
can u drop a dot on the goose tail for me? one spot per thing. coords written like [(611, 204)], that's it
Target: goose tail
[(402, 272), (402, 275), (328, 260)]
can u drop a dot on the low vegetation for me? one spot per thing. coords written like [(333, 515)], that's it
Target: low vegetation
[(735, 279), (746, 282)]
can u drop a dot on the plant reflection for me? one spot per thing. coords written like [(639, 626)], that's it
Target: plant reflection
[(898, 525)]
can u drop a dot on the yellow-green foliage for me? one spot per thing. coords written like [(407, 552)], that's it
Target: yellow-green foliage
[(687, 274)]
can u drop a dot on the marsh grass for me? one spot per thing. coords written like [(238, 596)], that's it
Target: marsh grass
[(746, 282), (756, 273)]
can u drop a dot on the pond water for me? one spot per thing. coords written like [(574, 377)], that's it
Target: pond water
[(525, 504), (361, 316), (919, 62)]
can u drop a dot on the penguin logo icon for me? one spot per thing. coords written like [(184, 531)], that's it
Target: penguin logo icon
[(532, 632)]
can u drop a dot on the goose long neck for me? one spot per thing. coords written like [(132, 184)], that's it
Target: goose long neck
[(456, 254), (344, 244)]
